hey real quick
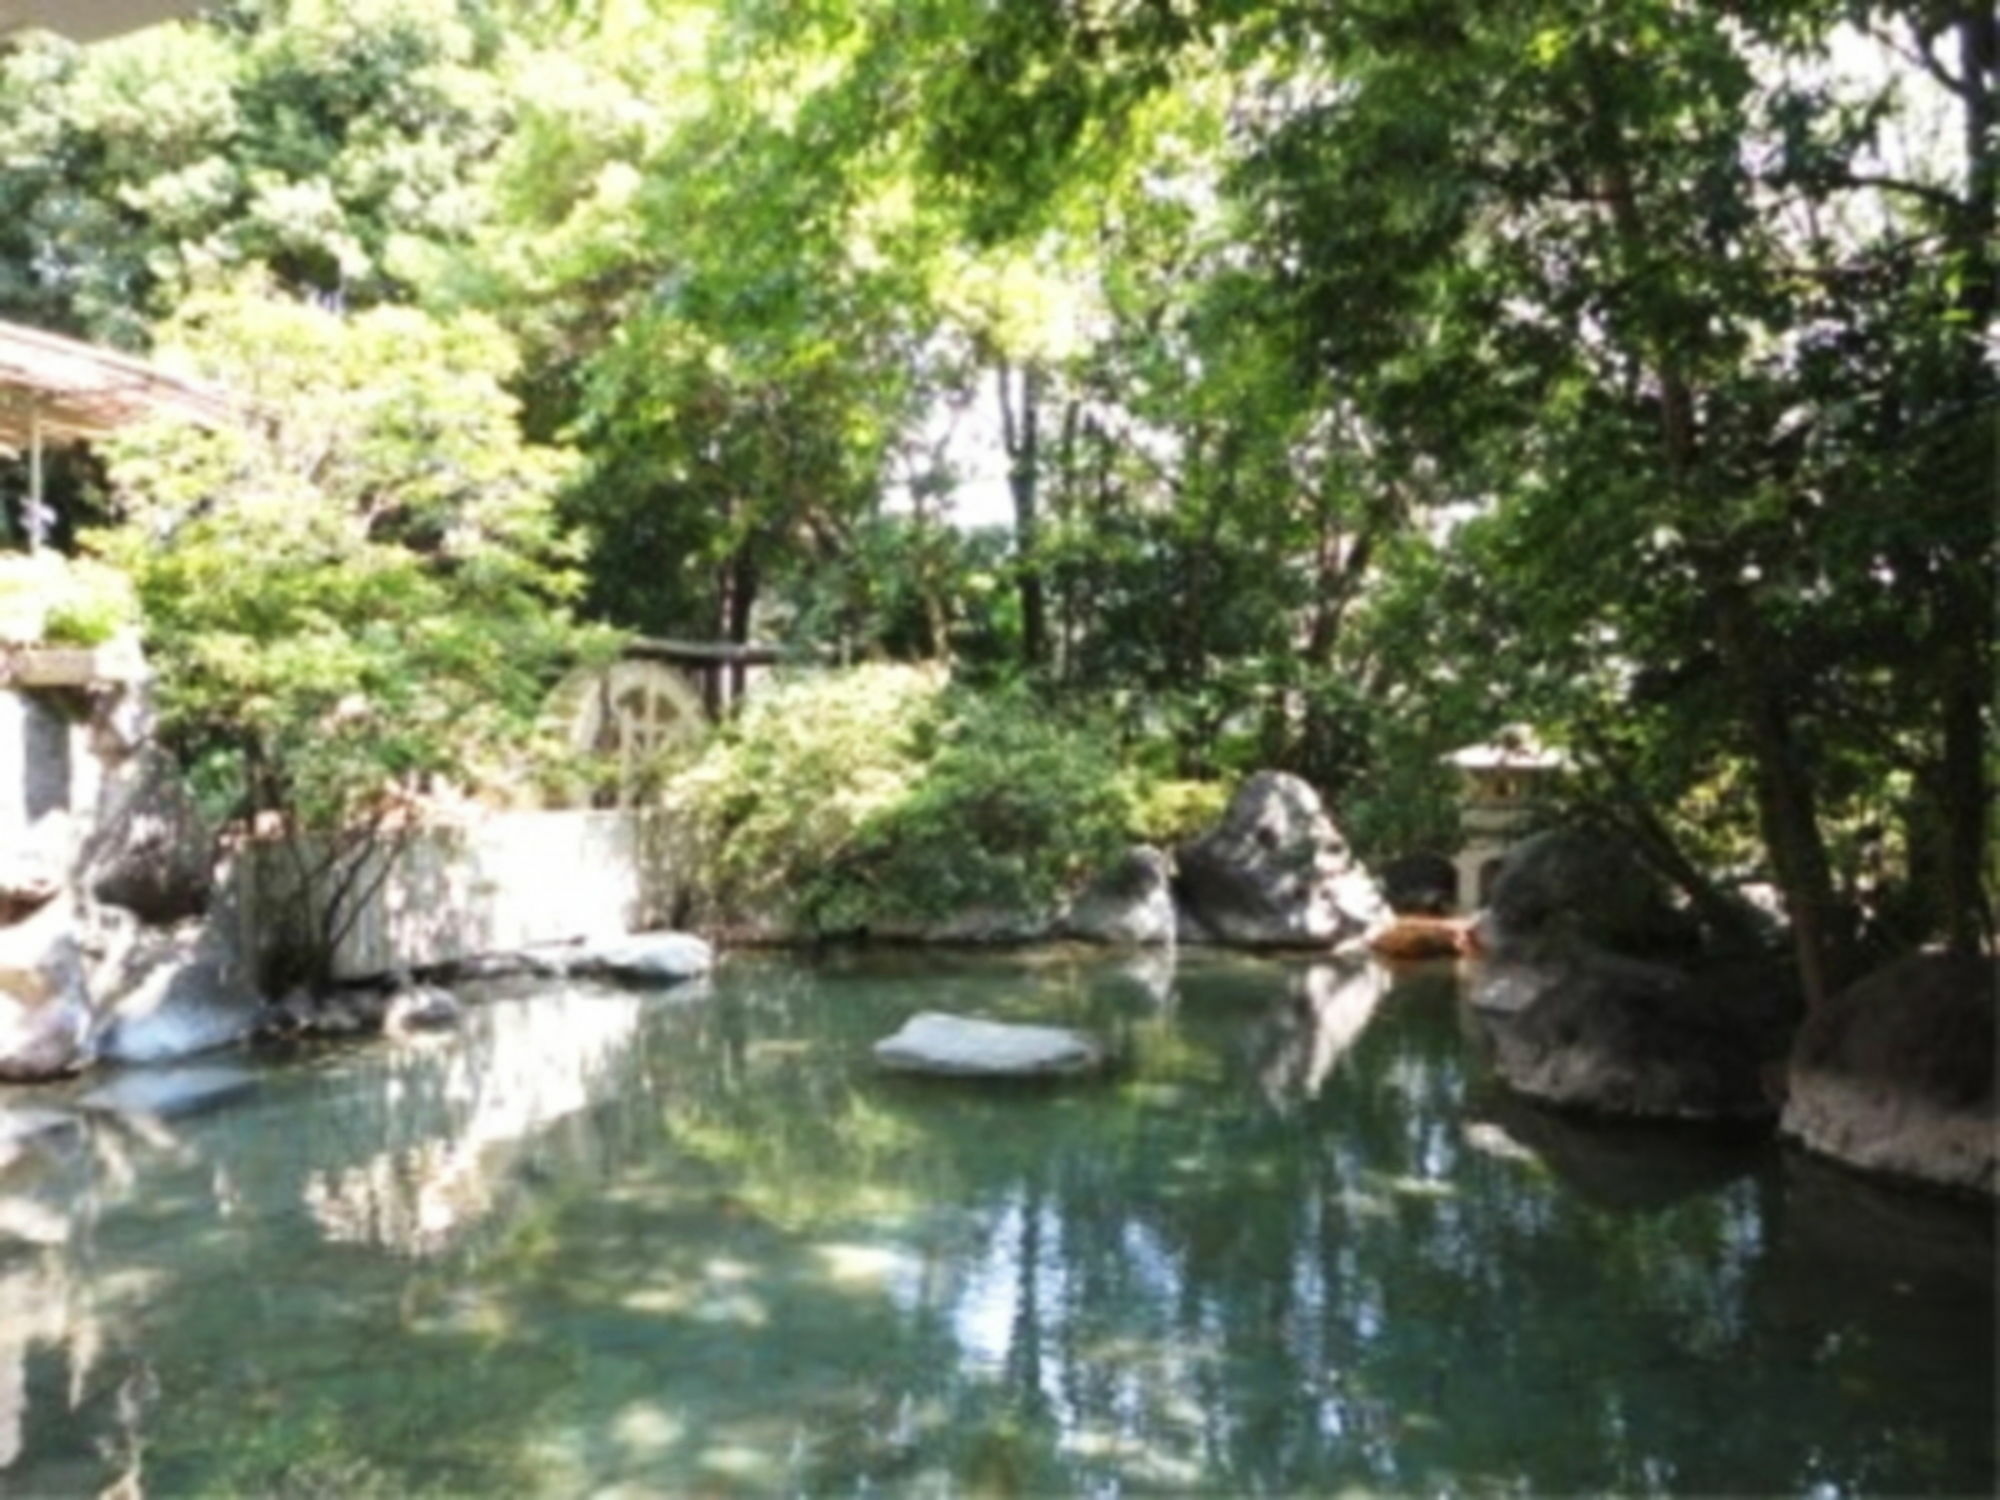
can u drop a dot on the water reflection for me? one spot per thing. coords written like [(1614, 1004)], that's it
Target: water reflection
[(695, 1241), (1321, 1017)]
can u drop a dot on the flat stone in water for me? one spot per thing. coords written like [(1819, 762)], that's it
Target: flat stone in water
[(960, 1046), (647, 957)]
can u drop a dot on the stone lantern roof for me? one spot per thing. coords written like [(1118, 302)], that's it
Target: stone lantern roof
[(1515, 748)]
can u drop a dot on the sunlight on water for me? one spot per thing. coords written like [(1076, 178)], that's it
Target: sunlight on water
[(606, 1242)]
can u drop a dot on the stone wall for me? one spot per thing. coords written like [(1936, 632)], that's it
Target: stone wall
[(508, 881)]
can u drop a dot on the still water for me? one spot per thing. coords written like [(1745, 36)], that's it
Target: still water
[(692, 1242)]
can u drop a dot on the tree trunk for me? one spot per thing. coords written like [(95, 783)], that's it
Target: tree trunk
[(1787, 806), (740, 583), (1966, 688), (1020, 429)]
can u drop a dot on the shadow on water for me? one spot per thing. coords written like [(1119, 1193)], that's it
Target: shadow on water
[(694, 1241)]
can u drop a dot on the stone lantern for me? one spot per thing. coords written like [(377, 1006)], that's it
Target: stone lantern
[(1502, 784)]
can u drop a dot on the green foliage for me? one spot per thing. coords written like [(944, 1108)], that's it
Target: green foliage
[(1367, 376), (1174, 811), (884, 796), (335, 146), (357, 596), (62, 601)]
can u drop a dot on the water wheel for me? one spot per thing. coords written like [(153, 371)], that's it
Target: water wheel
[(626, 715)]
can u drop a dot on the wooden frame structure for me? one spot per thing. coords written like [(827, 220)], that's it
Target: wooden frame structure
[(56, 391)]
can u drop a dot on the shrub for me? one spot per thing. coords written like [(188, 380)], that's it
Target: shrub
[(62, 601), (886, 794)]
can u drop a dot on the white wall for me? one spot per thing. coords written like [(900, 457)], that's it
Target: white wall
[(509, 880)]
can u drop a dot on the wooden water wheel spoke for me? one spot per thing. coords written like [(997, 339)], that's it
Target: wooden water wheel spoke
[(628, 714)]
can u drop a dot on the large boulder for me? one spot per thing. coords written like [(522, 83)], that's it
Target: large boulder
[(149, 851), (1601, 1033), (1131, 905), (1895, 1074), (1275, 873), (962, 1046), (1577, 885), (45, 1019), (1596, 997), (176, 992)]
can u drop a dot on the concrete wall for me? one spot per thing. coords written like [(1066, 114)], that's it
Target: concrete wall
[(52, 769), (506, 881)]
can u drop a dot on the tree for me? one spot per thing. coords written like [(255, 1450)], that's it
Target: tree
[(337, 147), (355, 600)]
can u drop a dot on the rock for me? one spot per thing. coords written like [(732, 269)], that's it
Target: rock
[(1895, 1074), (960, 1046), (1275, 873), (149, 851), (415, 1008), (646, 958), (1597, 999), (1597, 1032), (1420, 885), (177, 993), (166, 1093), (1130, 905), (550, 962), (1577, 885), (45, 1019)]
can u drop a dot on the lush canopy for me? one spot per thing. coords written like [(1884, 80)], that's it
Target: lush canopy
[(1342, 381)]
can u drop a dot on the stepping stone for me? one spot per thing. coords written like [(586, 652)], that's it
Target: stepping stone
[(960, 1046)]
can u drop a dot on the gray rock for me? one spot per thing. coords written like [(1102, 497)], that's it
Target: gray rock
[(1597, 999), (177, 993), (961, 1046), (415, 1008), (1597, 1032), (166, 1093), (552, 962), (1275, 873), (1573, 885), (1896, 1074), (1130, 905), (646, 958), (149, 851), (45, 1016)]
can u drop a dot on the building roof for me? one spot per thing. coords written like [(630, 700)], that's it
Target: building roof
[(1514, 748), (75, 391), (88, 20)]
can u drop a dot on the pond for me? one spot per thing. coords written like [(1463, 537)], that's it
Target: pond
[(693, 1242)]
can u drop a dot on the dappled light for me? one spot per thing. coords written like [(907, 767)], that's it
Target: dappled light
[(604, 1239)]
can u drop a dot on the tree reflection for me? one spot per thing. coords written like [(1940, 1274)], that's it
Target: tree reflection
[(1297, 1243)]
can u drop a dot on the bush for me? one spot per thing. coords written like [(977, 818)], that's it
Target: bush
[(887, 795), (62, 601)]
